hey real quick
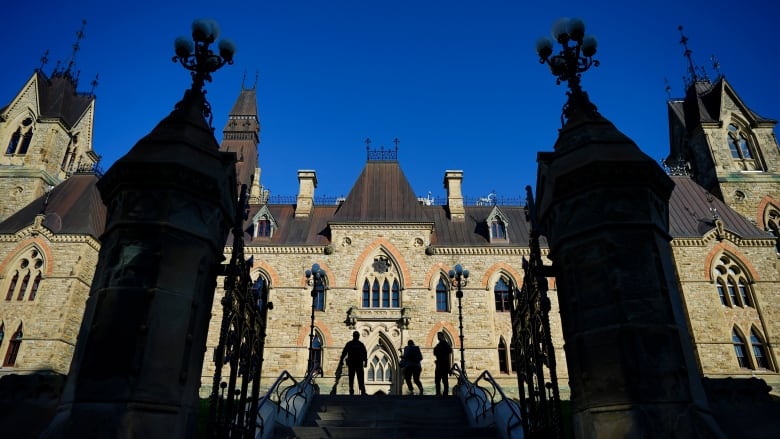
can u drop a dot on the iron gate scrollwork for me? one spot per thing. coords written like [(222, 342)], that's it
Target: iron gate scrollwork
[(234, 399), (532, 342)]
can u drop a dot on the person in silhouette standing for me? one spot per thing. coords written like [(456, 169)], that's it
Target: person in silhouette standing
[(413, 368), (443, 353), (357, 358)]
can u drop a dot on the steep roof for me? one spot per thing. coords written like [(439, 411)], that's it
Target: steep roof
[(241, 135), (381, 194), (703, 103), (690, 214), (72, 207), (60, 100)]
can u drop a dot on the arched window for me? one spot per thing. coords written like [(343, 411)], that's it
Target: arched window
[(502, 292), (772, 221), (503, 365), (2, 332), (759, 351), (738, 143), (26, 139), (740, 350), (12, 286), (13, 348), (23, 287), (380, 369), (732, 283), (28, 275), (381, 287), (20, 139), (14, 142), (442, 296)]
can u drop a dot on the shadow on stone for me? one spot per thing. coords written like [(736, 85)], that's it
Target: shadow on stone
[(743, 408)]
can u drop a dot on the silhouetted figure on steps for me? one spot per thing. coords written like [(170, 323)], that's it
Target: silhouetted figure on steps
[(413, 358), (443, 352), (357, 358)]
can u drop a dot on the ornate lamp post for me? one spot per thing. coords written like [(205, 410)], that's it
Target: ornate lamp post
[(200, 59), (459, 279), (568, 65), (316, 278)]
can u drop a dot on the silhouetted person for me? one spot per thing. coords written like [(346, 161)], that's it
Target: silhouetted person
[(413, 358), (357, 358), (443, 352)]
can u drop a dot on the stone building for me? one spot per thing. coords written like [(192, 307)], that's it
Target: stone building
[(385, 252)]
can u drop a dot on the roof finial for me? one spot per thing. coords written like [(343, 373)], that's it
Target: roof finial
[(693, 77), (44, 59), (668, 89), (257, 75), (76, 46), (716, 66), (94, 84), (243, 80)]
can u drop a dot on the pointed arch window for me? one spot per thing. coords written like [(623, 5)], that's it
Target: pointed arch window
[(503, 365), (12, 286), (759, 350), (2, 332), (732, 283), (14, 142), (442, 296), (380, 367), (740, 349), (20, 140), (381, 287), (13, 348), (772, 221), (28, 275), (502, 292), (738, 143)]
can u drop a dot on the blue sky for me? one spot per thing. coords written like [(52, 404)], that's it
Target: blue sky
[(457, 82)]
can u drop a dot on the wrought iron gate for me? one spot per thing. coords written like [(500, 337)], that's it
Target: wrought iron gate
[(245, 306), (531, 339)]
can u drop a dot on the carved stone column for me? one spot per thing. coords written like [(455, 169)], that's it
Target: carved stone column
[(136, 368), (604, 205)]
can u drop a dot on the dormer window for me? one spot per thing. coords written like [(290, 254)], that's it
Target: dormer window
[(263, 224), (498, 229), (497, 225)]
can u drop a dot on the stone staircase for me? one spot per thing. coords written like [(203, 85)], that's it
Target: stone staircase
[(384, 416)]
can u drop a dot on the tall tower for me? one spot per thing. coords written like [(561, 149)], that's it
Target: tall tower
[(729, 149), (241, 135), (45, 135)]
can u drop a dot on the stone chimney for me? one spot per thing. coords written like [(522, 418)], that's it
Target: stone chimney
[(452, 182), (307, 182)]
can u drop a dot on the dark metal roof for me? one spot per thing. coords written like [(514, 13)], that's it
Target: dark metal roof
[(60, 100), (690, 215), (381, 194), (73, 207)]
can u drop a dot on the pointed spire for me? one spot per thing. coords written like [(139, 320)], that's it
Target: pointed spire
[(76, 46), (696, 74)]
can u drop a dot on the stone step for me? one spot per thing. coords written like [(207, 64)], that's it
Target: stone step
[(385, 416)]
